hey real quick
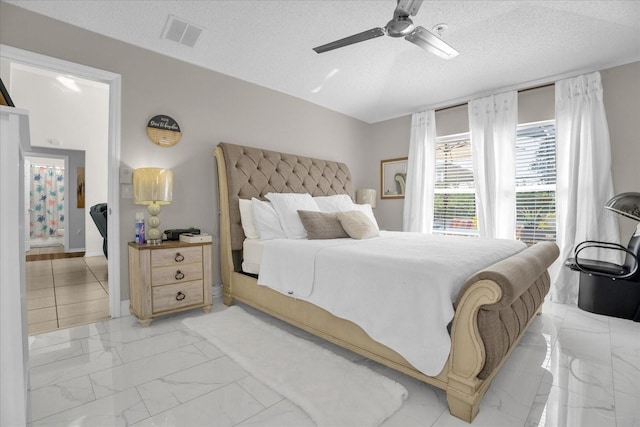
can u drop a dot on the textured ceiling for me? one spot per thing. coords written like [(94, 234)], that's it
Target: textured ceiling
[(502, 44)]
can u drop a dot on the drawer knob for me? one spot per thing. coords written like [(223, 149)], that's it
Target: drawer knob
[(179, 257), (180, 296), (179, 275)]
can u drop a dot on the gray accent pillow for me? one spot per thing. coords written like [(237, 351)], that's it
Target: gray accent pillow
[(357, 224), (322, 225)]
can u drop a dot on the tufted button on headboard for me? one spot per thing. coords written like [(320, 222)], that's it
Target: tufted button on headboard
[(253, 172)]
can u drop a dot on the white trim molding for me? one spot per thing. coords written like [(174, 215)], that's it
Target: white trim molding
[(113, 80)]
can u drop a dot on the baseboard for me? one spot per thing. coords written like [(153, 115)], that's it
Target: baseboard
[(90, 254), (124, 308)]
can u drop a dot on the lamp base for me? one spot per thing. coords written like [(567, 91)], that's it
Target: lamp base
[(154, 235)]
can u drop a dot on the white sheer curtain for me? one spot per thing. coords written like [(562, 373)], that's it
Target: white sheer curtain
[(421, 174), (584, 183), (493, 122)]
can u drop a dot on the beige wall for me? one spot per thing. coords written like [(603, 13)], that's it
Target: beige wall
[(621, 87), (208, 106), (389, 140)]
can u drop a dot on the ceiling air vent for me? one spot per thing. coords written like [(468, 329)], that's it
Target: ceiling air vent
[(181, 31)]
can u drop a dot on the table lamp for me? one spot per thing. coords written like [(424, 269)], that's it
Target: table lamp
[(153, 187), (366, 195)]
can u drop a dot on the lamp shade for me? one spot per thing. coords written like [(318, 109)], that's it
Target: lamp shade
[(625, 204), (153, 186), (366, 195)]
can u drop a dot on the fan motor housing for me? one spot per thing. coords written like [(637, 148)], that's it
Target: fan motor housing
[(400, 26)]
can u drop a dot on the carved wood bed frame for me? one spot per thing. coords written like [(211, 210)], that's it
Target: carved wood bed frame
[(492, 310)]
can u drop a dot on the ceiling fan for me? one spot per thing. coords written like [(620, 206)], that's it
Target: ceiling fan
[(400, 26)]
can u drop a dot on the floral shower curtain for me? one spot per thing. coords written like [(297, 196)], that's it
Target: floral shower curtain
[(47, 201)]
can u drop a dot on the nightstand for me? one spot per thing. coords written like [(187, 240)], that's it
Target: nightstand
[(169, 277)]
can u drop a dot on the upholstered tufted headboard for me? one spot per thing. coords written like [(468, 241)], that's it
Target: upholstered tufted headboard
[(253, 172)]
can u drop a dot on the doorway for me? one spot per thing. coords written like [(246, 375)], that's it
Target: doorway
[(46, 185), (113, 82)]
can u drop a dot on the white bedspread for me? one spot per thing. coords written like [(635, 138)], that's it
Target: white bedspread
[(399, 287)]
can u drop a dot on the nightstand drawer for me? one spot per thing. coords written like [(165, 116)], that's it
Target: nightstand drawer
[(172, 297), (175, 274), (169, 277), (175, 256)]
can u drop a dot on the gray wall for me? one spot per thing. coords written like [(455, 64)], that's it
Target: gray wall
[(75, 223), (208, 106), (621, 86)]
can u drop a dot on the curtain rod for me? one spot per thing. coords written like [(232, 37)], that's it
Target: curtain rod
[(46, 166), (519, 91)]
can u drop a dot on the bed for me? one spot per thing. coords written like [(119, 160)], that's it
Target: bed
[(492, 309)]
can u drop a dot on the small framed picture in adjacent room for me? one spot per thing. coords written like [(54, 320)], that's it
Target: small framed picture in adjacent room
[(5, 99), (80, 188)]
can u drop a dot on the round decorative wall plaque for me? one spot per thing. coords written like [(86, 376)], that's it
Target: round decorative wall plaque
[(163, 131)]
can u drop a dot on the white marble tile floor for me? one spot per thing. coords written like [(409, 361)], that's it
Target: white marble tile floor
[(572, 368)]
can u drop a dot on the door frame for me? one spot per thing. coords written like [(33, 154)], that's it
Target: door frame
[(114, 81)]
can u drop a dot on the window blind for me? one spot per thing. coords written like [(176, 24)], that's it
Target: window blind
[(455, 199), (536, 182)]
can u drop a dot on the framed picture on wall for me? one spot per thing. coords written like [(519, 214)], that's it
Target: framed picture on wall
[(80, 188), (5, 99), (393, 176)]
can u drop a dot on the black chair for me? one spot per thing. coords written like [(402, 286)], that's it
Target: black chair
[(609, 288), (99, 214), (630, 270), (605, 287)]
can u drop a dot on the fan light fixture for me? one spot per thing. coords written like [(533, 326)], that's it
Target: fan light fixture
[(68, 82)]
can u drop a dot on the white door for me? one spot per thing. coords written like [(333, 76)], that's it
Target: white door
[(27, 205)]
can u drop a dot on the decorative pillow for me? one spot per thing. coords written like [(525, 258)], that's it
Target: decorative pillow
[(266, 220), (368, 211), (322, 225), (357, 224), (287, 206), (335, 203), (246, 218)]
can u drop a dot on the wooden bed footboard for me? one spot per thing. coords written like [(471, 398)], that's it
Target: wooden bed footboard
[(493, 310)]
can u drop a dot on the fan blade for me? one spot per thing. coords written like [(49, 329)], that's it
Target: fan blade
[(356, 38), (407, 7), (430, 42)]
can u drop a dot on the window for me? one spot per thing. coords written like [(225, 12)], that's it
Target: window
[(455, 200), (536, 182), (455, 197)]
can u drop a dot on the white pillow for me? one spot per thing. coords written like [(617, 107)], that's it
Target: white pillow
[(266, 220), (287, 206), (246, 218), (368, 211), (335, 203)]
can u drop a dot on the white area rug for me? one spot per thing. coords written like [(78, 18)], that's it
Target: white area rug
[(331, 389)]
